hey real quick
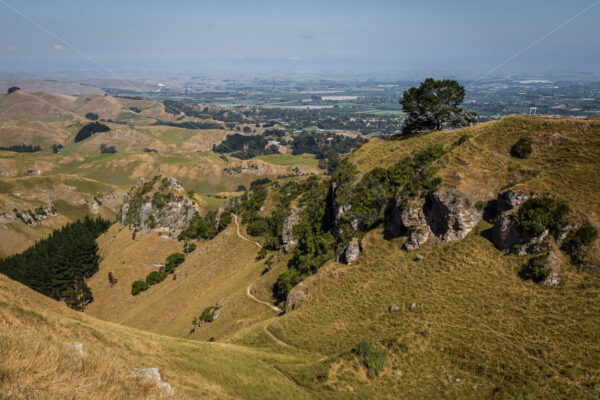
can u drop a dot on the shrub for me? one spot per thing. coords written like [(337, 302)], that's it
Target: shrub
[(23, 148), (362, 349), (522, 149), (155, 277), (584, 236), (111, 279), (535, 269), (540, 213), (208, 315), (92, 116), (257, 227), (12, 89), (138, 286), (173, 261), (189, 247), (105, 149), (262, 254)]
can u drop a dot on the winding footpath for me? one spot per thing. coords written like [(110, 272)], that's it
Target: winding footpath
[(242, 236)]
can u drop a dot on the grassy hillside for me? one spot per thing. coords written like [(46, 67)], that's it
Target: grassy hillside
[(463, 323), (40, 358)]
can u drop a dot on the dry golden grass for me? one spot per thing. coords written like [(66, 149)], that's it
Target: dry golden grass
[(39, 360), (473, 318), (219, 276)]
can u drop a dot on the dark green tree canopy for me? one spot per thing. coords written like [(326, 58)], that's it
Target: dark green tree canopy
[(435, 105)]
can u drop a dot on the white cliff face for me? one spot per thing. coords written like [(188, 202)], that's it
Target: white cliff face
[(164, 208)]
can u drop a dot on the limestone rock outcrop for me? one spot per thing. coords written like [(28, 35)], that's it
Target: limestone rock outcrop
[(296, 297), (287, 233), (447, 216), (158, 205), (352, 251), (451, 215)]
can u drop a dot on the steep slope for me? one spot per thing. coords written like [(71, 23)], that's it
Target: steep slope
[(455, 317), (49, 351)]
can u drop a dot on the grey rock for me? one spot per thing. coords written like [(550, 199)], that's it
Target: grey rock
[(554, 266), (451, 215), (169, 220), (216, 314), (296, 298), (352, 251), (153, 374), (534, 245), (509, 200), (506, 236), (412, 221), (448, 215), (394, 308), (287, 232), (413, 306), (419, 257), (78, 347)]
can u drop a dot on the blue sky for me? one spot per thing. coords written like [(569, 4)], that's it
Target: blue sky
[(376, 35)]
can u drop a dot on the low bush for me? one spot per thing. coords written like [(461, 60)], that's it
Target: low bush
[(584, 236), (208, 315), (138, 286), (540, 213), (522, 149), (189, 247), (535, 269), (262, 254)]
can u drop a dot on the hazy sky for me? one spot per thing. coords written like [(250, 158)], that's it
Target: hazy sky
[(375, 35)]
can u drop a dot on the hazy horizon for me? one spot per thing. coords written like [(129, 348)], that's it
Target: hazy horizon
[(381, 37)]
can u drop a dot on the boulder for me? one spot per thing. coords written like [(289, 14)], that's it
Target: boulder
[(296, 297), (408, 218), (153, 374), (394, 308), (505, 234), (352, 251), (553, 265), (451, 215)]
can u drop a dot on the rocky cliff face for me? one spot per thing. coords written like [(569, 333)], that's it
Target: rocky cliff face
[(158, 205), (447, 216), (287, 233)]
